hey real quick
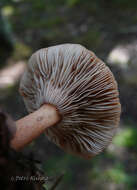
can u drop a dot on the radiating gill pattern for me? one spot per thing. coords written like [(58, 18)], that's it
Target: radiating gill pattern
[(84, 91)]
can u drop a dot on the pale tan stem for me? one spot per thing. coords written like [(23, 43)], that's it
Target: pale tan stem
[(31, 126)]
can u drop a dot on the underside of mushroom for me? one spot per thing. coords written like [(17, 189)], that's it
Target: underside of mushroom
[(82, 88)]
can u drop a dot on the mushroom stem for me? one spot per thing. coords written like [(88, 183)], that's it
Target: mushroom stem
[(31, 126)]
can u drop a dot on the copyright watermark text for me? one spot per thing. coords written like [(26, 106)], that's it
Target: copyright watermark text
[(28, 178)]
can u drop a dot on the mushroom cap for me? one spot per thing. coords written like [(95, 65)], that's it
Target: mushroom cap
[(84, 91)]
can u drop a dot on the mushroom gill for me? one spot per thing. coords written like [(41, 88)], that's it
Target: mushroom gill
[(84, 91)]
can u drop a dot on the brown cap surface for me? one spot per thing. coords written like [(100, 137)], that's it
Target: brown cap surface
[(84, 91)]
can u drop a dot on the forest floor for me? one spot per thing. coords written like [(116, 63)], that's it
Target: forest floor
[(104, 30)]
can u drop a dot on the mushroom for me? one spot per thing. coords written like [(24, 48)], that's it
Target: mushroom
[(72, 96)]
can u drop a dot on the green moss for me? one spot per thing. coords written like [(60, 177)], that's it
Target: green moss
[(55, 166), (22, 51), (67, 165), (116, 175), (125, 3), (91, 39), (72, 3), (54, 21), (8, 10), (126, 138)]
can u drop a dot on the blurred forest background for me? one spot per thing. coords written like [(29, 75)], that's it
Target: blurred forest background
[(107, 27)]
